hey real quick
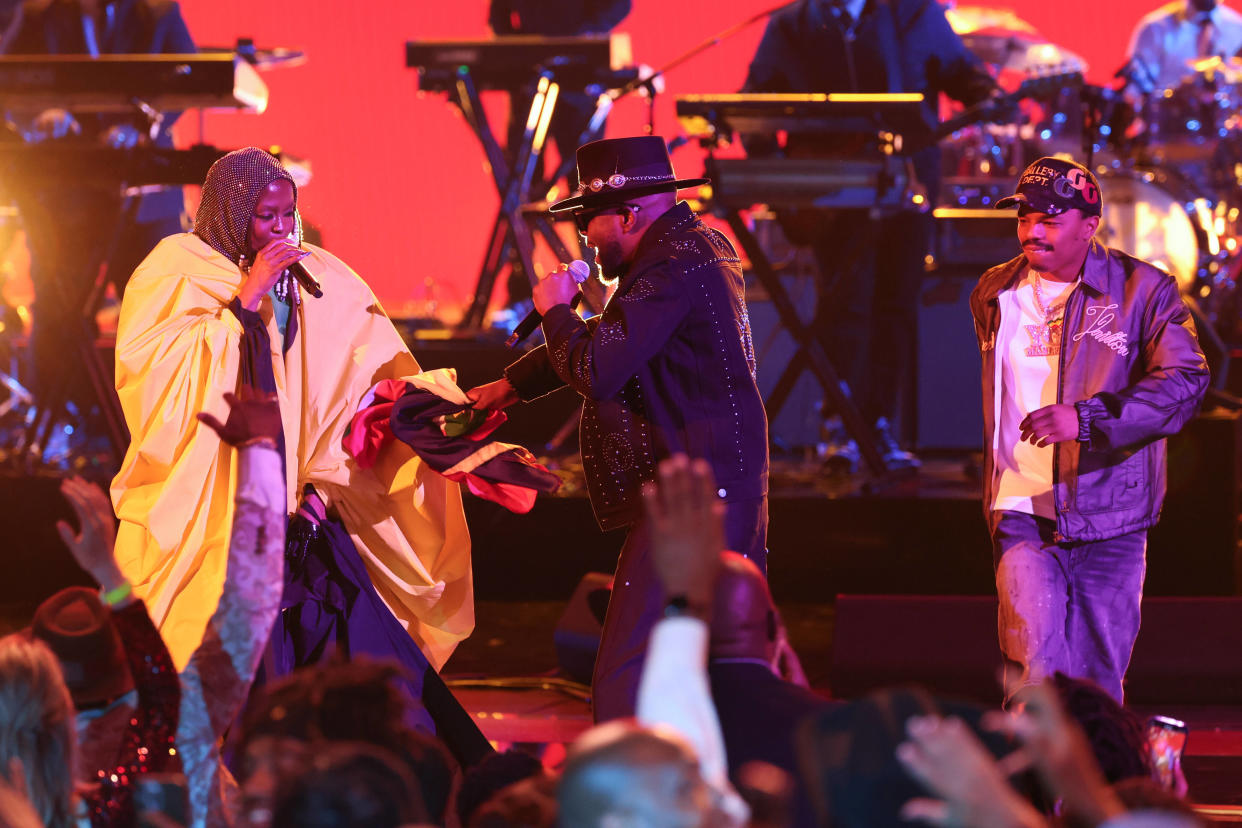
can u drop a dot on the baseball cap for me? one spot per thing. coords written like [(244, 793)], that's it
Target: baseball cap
[(1054, 185)]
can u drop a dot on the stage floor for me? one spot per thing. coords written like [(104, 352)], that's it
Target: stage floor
[(514, 640)]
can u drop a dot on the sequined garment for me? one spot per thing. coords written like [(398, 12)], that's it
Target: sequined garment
[(148, 743), (216, 681), (668, 367)]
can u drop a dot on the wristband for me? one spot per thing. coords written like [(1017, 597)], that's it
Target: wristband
[(116, 595)]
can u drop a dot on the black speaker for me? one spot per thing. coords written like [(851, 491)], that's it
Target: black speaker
[(948, 390), (946, 643), (1189, 651), (578, 630)]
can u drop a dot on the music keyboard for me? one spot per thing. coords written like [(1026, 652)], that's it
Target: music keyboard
[(89, 163), (830, 183), (509, 61), (119, 83)]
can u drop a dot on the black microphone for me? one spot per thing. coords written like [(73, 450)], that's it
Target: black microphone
[(580, 271), (307, 281)]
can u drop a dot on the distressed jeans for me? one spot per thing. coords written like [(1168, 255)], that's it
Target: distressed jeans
[(1071, 607)]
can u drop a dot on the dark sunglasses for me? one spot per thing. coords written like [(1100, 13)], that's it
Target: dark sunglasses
[(582, 218)]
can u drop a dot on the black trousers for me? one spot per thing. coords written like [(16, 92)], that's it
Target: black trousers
[(637, 604)]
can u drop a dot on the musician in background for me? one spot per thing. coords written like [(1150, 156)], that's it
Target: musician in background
[(574, 107), (1166, 41), (870, 267), (69, 228)]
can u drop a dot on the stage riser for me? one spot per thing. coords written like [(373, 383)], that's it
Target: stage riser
[(1188, 651)]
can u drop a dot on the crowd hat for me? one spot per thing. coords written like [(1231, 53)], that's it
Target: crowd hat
[(78, 628), (616, 169), (1053, 186)]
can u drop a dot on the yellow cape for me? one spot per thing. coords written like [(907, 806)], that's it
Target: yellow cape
[(177, 352)]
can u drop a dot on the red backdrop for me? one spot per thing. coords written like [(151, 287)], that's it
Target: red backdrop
[(399, 186)]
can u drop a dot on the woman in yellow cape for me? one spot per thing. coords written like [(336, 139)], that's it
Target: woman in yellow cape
[(211, 308)]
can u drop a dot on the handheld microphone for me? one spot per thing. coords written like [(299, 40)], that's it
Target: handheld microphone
[(580, 271), (307, 281)]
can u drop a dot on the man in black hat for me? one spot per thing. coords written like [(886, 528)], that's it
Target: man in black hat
[(668, 367), (1090, 360)]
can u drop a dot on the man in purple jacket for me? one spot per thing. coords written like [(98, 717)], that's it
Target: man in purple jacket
[(668, 368), (1090, 360)]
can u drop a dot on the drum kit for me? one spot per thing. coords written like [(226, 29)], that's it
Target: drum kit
[(1169, 161)]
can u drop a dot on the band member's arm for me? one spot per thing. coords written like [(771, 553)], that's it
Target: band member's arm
[(951, 66), (597, 362), (606, 14), (775, 66), (1166, 396), (1142, 66)]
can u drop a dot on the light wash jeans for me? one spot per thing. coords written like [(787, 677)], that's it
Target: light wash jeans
[(1068, 607)]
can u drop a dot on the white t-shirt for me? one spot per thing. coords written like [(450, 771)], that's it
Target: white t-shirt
[(1027, 367)]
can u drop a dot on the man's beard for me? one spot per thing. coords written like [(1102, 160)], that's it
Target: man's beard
[(611, 261)]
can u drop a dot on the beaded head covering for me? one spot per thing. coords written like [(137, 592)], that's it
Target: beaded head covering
[(230, 192)]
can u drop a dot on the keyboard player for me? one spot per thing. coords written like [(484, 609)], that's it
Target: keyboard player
[(70, 227), (870, 268)]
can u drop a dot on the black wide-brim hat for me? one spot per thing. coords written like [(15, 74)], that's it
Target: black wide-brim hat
[(616, 169)]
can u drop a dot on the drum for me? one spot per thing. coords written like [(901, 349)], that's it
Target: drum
[(1155, 215), (1203, 108)]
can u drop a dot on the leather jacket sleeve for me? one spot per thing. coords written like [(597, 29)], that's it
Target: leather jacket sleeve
[(632, 329), (1166, 396)]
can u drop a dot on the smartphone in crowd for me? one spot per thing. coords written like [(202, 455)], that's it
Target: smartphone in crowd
[(1166, 738)]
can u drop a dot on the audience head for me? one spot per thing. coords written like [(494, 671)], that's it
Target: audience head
[(351, 785), (619, 774), (1118, 736), (36, 726), (78, 629), (744, 619), (530, 803), (491, 775), (338, 701)]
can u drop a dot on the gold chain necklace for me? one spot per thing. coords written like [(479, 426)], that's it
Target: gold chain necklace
[(1046, 338)]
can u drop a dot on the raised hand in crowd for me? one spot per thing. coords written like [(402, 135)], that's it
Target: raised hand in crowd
[(1058, 751), (254, 419), (92, 546), (687, 529), (947, 757), (16, 809)]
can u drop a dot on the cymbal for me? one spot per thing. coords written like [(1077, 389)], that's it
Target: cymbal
[(995, 22), (275, 58), (1229, 68), (1015, 53)]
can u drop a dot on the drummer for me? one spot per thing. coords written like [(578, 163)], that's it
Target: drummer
[(1166, 41)]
